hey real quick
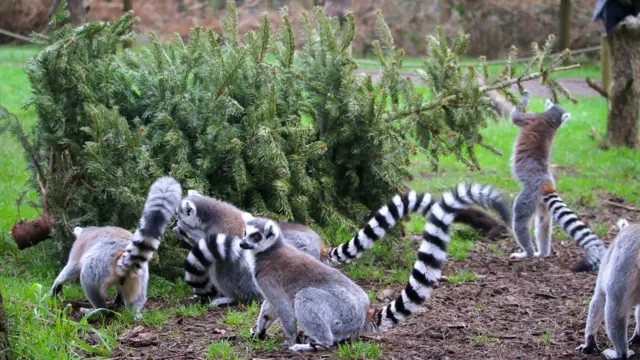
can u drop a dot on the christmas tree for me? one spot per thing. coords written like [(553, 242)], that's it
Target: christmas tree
[(287, 134)]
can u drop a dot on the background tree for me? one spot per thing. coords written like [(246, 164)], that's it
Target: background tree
[(127, 5), (564, 20), (622, 24), (78, 10)]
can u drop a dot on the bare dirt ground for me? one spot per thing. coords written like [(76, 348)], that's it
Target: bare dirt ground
[(518, 309), (576, 87)]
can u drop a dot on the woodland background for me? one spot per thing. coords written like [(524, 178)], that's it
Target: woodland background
[(495, 24)]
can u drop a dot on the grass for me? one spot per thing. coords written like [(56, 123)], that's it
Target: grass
[(43, 330), (462, 276), (360, 350)]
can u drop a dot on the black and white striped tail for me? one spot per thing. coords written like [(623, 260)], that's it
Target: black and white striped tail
[(164, 197), (397, 208), (386, 218), (578, 230), (215, 247), (432, 253)]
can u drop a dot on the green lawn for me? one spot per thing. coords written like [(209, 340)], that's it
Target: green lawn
[(586, 174)]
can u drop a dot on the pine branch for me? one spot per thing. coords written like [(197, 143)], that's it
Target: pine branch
[(501, 85)]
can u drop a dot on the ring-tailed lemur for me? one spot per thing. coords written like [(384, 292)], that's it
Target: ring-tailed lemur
[(531, 156), (105, 256), (617, 292), (234, 273), (229, 279), (326, 303)]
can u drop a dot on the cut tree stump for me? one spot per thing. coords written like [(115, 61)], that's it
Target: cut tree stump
[(4, 331), (622, 120)]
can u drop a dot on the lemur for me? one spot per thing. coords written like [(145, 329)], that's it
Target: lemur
[(234, 274), (105, 256), (326, 303), (617, 291), (229, 279), (530, 161)]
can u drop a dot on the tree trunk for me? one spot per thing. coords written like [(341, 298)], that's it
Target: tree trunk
[(565, 24), (445, 11), (4, 330), (338, 8), (622, 123), (127, 5), (605, 64), (79, 10)]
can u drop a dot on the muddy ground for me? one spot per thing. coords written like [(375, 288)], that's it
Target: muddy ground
[(518, 309)]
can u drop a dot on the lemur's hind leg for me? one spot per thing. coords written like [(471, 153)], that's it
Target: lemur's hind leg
[(594, 320), (543, 231), (69, 273), (616, 324), (524, 207)]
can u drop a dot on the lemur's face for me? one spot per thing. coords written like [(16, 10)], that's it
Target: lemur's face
[(188, 227), (259, 234)]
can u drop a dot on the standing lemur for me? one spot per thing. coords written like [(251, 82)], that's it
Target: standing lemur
[(617, 292), (326, 303), (531, 156), (106, 256)]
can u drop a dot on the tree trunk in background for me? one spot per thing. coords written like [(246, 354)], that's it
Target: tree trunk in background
[(445, 11), (605, 64), (127, 5), (622, 123), (4, 330), (79, 10), (338, 8), (565, 24)]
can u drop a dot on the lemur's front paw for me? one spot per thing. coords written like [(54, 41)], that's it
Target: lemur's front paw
[(519, 255), (588, 348), (303, 347), (257, 335), (539, 254)]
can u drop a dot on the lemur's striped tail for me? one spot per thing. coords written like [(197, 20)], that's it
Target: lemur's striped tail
[(384, 219), (397, 208), (163, 199), (575, 227), (433, 250), (215, 247)]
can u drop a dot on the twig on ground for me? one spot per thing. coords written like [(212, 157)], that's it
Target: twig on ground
[(622, 206)]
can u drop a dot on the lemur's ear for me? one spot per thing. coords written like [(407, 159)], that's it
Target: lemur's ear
[(622, 224), (270, 230), (548, 104), (566, 116), (193, 192), (77, 231), (247, 216), (189, 208)]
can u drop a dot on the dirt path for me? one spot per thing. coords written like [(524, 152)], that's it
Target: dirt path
[(576, 87), (518, 309)]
